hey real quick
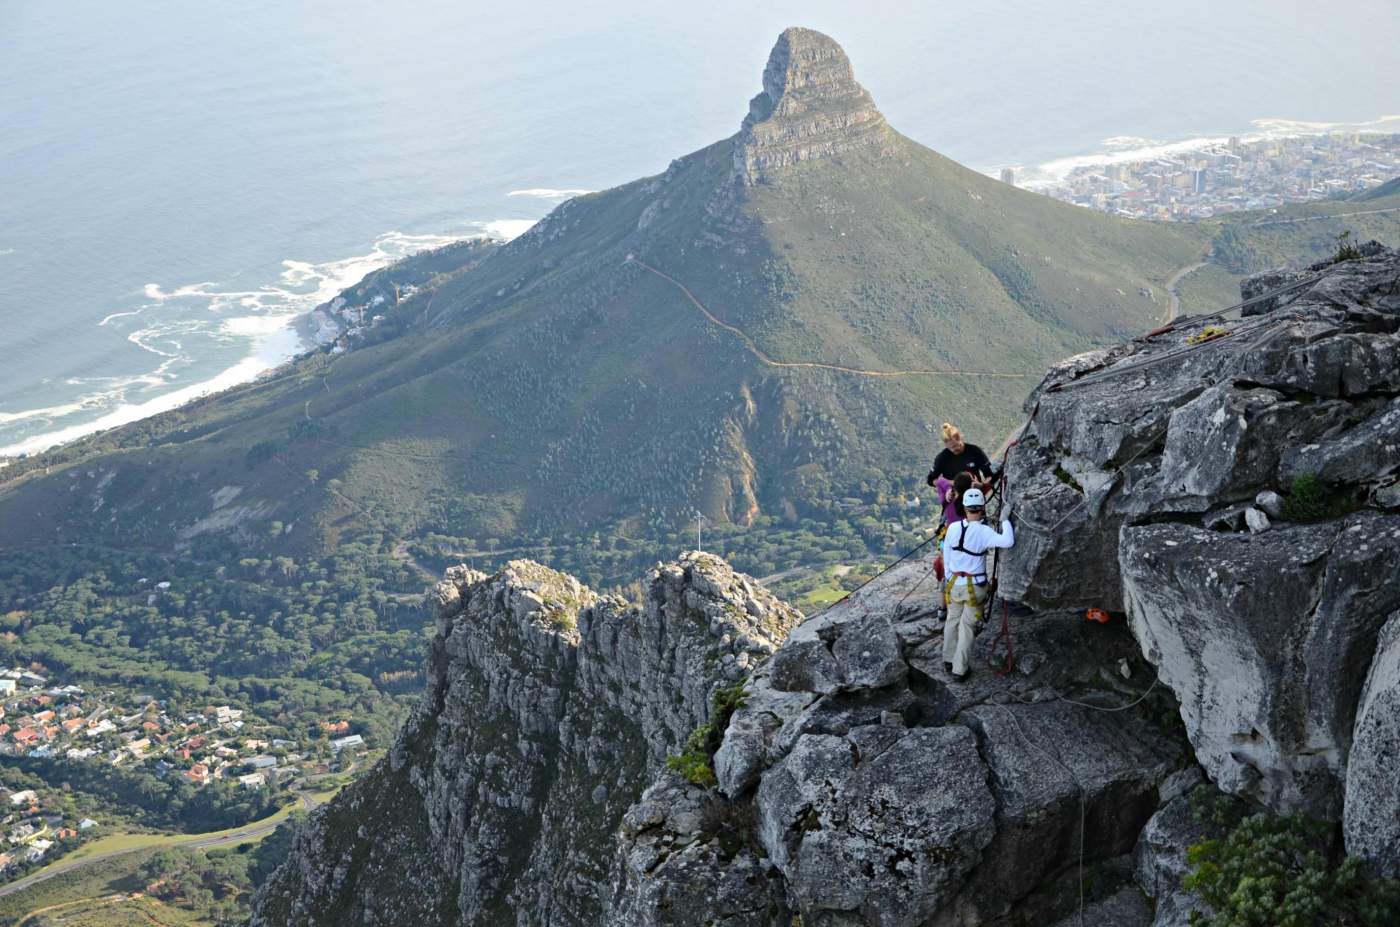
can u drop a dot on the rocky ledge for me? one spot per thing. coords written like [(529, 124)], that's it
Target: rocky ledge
[(862, 784)]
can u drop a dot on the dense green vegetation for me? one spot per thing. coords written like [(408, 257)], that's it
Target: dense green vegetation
[(1299, 235), (696, 761), (216, 885), (1283, 872)]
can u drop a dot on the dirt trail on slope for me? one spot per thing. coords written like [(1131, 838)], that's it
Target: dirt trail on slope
[(758, 352), (1174, 300)]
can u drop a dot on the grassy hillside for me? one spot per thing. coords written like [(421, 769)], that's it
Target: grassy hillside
[(1298, 235)]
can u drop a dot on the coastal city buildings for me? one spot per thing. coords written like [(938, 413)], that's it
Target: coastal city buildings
[(1231, 176)]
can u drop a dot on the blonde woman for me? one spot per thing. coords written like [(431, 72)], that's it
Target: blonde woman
[(957, 457)]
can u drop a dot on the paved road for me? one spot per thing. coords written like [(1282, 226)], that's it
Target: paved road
[(255, 830)]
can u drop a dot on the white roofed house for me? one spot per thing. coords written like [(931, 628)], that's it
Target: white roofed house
[(354, 741)]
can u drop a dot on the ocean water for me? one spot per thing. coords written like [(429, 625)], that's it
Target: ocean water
[(179, 180)]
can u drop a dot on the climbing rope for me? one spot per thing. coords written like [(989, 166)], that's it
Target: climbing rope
[(851, 595)]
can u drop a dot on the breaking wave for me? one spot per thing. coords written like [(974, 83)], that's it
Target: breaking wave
[(192, 327)]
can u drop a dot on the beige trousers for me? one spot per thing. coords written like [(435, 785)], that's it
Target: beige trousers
[(960, 629)]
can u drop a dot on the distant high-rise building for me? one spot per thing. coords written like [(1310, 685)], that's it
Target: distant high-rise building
[(1008, 176), (1198, 181), (1234, 143)]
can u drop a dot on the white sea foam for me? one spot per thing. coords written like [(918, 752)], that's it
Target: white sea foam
[(269, 354), (5, 251), (117, 315), (548, 193), (508, 229), (67, 408), (263, 319), (254, 325)]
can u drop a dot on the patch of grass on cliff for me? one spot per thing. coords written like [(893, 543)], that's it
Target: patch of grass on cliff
[(696, 760), (1278, 871), (1309, 500)]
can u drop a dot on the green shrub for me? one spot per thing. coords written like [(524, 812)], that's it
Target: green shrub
[(1275, 872), (696, 759), (1346, 251), (260, 453), (1306, 500)]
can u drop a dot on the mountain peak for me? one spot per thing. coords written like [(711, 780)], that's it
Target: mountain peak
[(811, 107)]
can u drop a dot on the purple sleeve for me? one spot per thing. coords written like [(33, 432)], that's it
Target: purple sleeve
[(950, 510)]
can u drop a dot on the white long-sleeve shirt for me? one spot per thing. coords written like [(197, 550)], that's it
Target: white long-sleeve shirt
[(980, 538)]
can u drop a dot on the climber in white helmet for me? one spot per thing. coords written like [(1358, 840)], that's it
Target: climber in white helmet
[(965, 549)]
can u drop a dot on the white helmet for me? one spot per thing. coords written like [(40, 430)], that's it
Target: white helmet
[(973, 498)]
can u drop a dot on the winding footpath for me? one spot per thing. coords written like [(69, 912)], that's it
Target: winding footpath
[(758, 352), (199, 843), (1173, 299)]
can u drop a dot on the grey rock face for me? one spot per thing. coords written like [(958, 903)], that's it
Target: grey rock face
[(1255, 286), (547, 710), (908, 798), (1161, 425), (701, 868), (1371, 822), (811, 107), (1136, 484), (859, 831), (1266, 640), (1368, 453), (1160, 862), (1124, 908)]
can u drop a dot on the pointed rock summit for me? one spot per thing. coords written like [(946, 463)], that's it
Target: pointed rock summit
[(811, 107)]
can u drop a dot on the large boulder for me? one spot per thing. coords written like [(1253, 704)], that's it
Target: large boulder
[(1372, 818), (1266, 640), (689, 862), (1161, 862), (857, 832)]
